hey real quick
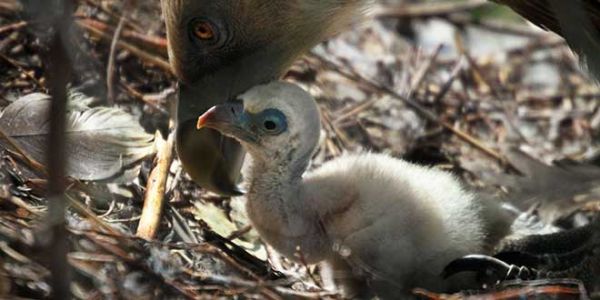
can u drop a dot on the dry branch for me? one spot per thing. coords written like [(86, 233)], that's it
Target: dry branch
[(156, 187)]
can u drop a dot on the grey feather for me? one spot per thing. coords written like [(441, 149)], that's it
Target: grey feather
[(102, 142)]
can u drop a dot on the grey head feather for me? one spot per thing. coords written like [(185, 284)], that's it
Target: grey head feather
[(303, 117)]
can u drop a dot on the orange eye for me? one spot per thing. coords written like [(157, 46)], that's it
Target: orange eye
[(204, 31)]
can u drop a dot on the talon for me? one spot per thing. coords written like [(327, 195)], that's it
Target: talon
[(513, 273)]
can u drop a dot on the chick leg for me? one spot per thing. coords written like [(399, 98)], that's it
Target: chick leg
[(338, 275)]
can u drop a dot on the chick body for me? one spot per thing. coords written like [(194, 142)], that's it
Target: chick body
[(382, 226)]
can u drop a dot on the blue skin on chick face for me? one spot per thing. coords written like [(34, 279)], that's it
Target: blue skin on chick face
[(268, 122)]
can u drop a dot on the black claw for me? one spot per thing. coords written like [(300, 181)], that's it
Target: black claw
[(490, 267), (476, 263), (521, 272)]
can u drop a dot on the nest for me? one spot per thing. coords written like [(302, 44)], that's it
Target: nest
[(433, 86)]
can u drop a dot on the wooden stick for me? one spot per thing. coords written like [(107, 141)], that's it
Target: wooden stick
[(110, 68), (156, 187)]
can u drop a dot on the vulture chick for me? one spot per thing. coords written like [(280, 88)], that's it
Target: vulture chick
[(381, 225)]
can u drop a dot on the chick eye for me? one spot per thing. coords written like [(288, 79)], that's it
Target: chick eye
[(204, 30), (273, 121), (270, 125)]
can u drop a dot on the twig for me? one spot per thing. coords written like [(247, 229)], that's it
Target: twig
[(10, 7), (91, 216), (149, 100), (149, 58), (239, 233), (22, 70), (333, 148), (419, 76), (414, 85), (104, 8), (212, 249), (127, 257), (482, 80), (110, 68), (22, 204), (157, 43), (259, 286), (302, 258), (155, 189), (448, 84), (15, 147), (13, 26)]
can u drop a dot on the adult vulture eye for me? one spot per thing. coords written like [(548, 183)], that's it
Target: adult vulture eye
[(204, 30), (207, 33)]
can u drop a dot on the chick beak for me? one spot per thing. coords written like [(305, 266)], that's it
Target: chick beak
[(208, 118), (229, 119), (221, 117)]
